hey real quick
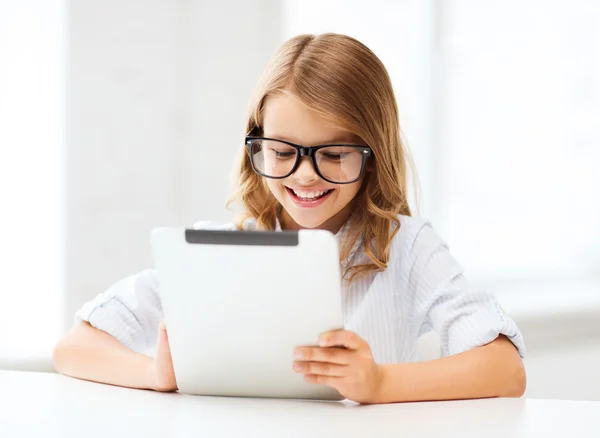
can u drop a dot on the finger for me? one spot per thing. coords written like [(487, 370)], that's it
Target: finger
[(162, 328), (321, 368), (344, 338), (163, 339), (335, 355), (322, 380)]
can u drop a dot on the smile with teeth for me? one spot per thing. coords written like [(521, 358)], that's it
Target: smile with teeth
[(309, 195)]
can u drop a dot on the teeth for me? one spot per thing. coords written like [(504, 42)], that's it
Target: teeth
[(308, 195)]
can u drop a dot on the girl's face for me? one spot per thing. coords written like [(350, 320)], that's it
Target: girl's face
[(308, 200)]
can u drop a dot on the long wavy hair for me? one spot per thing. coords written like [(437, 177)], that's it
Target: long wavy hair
[(343, 81)]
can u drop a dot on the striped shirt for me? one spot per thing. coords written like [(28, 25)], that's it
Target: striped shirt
[(422, 289)]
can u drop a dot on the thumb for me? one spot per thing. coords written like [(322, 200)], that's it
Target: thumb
[(163, 336), (163, 361)]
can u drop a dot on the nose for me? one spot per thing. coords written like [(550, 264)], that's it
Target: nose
[(305, 172)]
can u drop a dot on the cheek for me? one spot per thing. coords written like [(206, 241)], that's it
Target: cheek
[(275, 186), (348, 192)]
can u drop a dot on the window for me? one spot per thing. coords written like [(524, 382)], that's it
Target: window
[(31, 174), (519, 138)]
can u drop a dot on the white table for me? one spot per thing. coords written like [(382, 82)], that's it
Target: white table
[(50, 405)]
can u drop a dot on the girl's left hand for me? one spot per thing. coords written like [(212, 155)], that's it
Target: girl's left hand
[(343, 360)]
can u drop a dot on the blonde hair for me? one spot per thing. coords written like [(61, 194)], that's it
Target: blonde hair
[(343, 81)]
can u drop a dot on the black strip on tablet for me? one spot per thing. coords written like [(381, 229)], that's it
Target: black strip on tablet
[(227, 237)]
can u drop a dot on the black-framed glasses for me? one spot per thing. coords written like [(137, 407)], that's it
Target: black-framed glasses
[(335, 163)]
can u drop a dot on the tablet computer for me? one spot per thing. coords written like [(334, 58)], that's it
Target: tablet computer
[(237, 303)]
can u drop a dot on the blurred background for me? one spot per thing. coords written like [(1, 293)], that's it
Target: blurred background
[(117, 116)]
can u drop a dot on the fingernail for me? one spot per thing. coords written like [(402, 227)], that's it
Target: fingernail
[(297, 367), (298, 354), (322, 343)]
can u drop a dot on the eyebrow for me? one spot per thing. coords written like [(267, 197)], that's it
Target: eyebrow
[(334, 140)]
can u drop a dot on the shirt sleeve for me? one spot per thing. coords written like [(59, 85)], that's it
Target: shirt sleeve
[(446, 302), (130, 310)]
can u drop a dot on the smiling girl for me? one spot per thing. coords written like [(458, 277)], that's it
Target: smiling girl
[(323, 151)]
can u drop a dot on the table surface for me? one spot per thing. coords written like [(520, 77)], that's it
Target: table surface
[(51, 405)]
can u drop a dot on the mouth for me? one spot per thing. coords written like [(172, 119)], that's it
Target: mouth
[(308, 198)]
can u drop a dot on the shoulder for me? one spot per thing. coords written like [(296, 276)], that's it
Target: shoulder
[(248, 225), (415, 239), (420, 257)]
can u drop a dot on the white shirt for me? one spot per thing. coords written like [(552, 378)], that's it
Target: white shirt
[(422, 289)]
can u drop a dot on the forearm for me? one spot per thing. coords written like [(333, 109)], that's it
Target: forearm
[(494, 370), (90, 354)]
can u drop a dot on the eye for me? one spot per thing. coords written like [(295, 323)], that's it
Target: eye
[(336, 156), (284, 154)]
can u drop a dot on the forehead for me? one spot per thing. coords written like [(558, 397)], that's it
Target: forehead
[(286, 117)]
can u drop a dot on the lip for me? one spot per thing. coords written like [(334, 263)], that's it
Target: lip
[(304, 203), (310, 189)]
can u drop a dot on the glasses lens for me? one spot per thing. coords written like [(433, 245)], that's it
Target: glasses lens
[(273, 158), (340, 163)]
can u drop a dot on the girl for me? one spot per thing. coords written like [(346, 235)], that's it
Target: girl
[(323, 150)]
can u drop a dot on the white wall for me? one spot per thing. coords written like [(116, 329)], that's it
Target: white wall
[(32, 122), (157, 95), (565, 371), (563, 353)]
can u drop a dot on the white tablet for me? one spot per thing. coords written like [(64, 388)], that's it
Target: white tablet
[(237, 303)]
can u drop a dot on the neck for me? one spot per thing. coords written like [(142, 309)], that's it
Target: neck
[(333, 224)]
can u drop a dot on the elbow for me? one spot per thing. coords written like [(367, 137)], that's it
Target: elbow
[(65, 354), (521, 380), (516, 381), (60, 356), (509, 369), (67, 351)]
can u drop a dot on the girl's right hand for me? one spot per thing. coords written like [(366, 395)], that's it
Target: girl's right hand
[(163, 363)]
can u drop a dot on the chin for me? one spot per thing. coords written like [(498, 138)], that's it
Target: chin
[(310, 223), (306, 220)]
